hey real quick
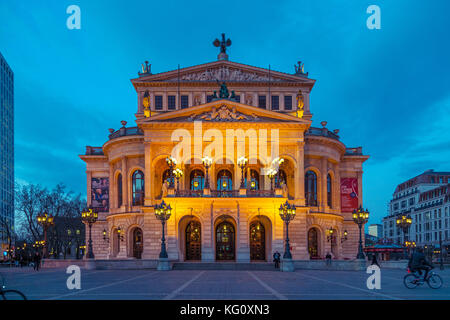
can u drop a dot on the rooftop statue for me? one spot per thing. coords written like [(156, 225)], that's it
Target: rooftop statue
[(300, 69), (223, 47)]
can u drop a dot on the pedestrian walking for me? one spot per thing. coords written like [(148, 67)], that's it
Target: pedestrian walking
[(374, 260), (328, 258), (276, 259), (37, 261)]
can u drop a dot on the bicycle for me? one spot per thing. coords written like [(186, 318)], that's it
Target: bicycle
[(10, 294), (413, 279)]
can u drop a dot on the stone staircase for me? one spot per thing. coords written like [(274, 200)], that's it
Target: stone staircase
[(254, 266)]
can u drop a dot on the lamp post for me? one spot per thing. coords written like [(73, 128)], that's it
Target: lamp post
[(90, 217), (45, 221), (360, 217), (207, 161), (344, 238), (287, 213), (330, 234), (171, 162), (271, 173), (242, 162), (178, 174), (162, 213), (277, 162), (404, 222)]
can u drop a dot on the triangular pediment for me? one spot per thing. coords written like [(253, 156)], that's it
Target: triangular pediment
[(223, 71), (223, 111)]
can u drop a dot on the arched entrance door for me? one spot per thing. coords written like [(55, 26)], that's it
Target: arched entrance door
[(225, 241), (138, 244), (193, 241), (313, 246), (257, 241)]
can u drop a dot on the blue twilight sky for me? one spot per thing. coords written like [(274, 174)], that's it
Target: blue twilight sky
[(387, 90)]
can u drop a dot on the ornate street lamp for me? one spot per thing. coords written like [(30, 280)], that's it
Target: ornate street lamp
[(287, 213), (242, 162), (171, 162), (277, 163), (178, 174), (105, 237), (162, 213), (271, 173), (344, 238), (330, 234), (360, 217), (404, 222), (207, 161), (45, 221), (90, 217)]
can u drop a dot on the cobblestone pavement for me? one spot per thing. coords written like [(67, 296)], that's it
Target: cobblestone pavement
[(215, 284)]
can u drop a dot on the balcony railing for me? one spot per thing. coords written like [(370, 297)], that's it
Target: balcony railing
[(353, 151), (94, 151), (131, 131), (223, 194), (324, 132)]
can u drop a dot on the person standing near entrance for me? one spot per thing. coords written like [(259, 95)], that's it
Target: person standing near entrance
[(374, 260), (328, 258), (276, 259)]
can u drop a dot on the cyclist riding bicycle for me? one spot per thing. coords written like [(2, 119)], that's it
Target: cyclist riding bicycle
[(418, 262)]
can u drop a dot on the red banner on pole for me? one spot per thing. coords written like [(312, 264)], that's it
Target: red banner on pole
[(349, 194)]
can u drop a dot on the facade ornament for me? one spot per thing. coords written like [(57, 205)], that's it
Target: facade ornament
[(145, 70), (225, 73), (223, 47), (146, 104), (300, 104), (224, 113), (300, 69)]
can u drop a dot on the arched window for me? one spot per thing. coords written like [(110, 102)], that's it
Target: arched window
[(254, 180), (119, 190), (311, 188), (197, 180), (166, 176), (329, 191), (224, 181), (138, 188)]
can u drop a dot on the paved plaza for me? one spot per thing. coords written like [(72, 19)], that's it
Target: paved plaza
[(214, 284)]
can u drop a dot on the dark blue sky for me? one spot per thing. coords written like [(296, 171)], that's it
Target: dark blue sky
[(387, 90)]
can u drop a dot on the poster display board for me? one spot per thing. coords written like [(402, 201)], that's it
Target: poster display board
[(349, 194), (100, 194)]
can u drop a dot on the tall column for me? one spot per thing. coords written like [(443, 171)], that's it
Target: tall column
[(323, 179), (203, 97), (242, 95), (125, 191), (360, 191), (152, 100), (300, 174), (148, 172), (281, 101), (112, 188), (255, 99), (191, 99)]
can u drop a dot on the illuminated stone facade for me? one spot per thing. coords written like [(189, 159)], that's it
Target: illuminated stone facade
[(239, 224)]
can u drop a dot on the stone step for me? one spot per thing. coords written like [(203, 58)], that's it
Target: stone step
[(257, 266)]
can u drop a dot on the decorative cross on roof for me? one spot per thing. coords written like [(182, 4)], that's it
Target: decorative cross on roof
[(223, 47)]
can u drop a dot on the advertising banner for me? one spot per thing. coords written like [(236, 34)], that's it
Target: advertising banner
[(100, 194), (349, 194)]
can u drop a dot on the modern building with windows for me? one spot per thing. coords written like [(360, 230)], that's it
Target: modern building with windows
[(6, 148), (223, 211), (425, 199)]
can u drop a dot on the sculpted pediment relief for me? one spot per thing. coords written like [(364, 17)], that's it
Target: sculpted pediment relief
[(225, 73), (224, 113)]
